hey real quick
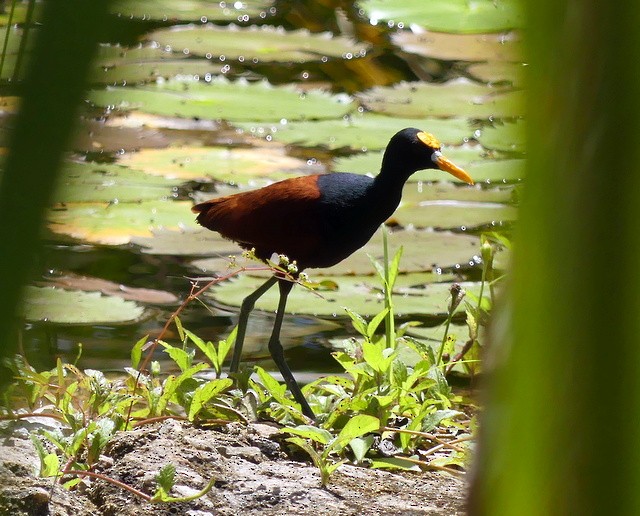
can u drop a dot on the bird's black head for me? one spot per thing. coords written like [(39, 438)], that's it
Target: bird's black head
[(411, 150)]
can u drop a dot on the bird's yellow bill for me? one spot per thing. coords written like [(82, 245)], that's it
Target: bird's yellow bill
[(447, 166)]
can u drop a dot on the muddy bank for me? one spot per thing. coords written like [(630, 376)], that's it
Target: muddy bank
[(253, 475)]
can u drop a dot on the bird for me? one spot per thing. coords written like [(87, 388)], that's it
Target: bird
[(317, 221)]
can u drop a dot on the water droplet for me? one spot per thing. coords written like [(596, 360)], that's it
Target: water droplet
[(284, 121), (324, 59), (207, 77), (305, 75), (237, 5), (222, 58), (390, 24), (400, 25), (463, 228), (268, 138), (167, 48), (477, 133), (203, 19), (208, 55), (243, 18), (241, 59), (225, 68)]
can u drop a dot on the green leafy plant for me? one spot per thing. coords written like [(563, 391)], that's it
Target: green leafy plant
[(384, 411)]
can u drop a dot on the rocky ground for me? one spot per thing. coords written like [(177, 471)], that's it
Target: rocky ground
[(252, 475)]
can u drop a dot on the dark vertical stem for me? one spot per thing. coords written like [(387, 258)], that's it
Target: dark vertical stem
[(54, 84)]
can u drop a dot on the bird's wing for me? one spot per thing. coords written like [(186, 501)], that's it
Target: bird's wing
[(283, 217)]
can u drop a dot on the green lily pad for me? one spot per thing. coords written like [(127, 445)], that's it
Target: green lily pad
[(60, 306), (95, 182), (113, 224), (453, 214), (414, 193), (196, 242), (477, 16), (458, 97), (424, 251), (222, 99), (493, 72), (138, 73), (193, 10), (461, 47), (358, 131), (256, 44), (482, 170), (362, 295), (508, 136), (232, 165)]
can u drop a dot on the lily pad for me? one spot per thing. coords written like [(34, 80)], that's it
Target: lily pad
[(70, 281), (415, 193), (143, 72), (424, 251), (461, 47), (458, 97), (447, 214), (507, 136), (60, 306), (222, 99), (512, 73), (256, 44), (232, 165), (477, 16), (360, 295), (358, 131), (115, 224), (93, 182), (197, 242), (193, 10), (482, 170)]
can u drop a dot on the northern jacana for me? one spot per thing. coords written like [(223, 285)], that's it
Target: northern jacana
[(317, 220)]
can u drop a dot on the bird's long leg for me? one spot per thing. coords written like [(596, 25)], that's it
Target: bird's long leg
[(247, 305), (275, 348)]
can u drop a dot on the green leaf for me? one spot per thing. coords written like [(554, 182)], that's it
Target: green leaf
[(355, 427), (375, 322), (369, 130), (180, 328), (357, 321), (115, 224), (166, 477), (182, 358), (136, 351), (205, 392), (191, 10), (319, 435), (377, 355), (257, 44), (395, 463), (56, 305), (458, 97), (361, 446), (431, 421), (224, 100), (448, 15)]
